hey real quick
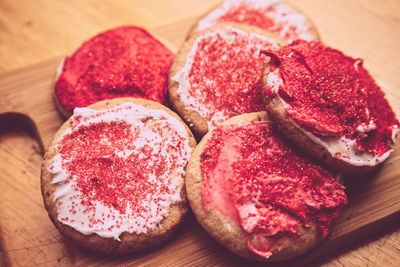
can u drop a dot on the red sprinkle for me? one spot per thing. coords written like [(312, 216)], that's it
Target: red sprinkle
[(247, 15), (125, 61), (286, 191), (89, 155), (262, 18), (331, 94), (227, 74)]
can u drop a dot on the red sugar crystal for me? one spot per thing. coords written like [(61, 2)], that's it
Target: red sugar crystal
[(126, 61)]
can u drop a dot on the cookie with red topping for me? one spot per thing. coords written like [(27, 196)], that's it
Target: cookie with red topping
[(122, 62), (113, 177), (256, 195), (275, 16), (217, 74), (329, 105)]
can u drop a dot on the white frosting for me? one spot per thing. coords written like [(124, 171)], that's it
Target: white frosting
[(362, 128), (169, 142), (60, 68), (342, 147), (274, 81), (395, 131), (194, 102), (282, 14)]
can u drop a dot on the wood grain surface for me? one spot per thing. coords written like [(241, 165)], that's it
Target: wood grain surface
[(35, 35)]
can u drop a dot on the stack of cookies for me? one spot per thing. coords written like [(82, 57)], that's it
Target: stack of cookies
[(280, 117)]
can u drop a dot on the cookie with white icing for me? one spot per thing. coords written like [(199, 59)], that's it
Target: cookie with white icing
[(328, 105), (216, 75), (275, 16), (113, 177), (125, 61), (256, 195)]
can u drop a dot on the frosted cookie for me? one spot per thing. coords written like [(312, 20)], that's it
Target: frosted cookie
[(217, 74), (113, 177), (275, 16), (328, 105), (258, 197), (122, 62)]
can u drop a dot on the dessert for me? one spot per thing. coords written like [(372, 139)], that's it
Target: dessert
[(122, 62), (256, 195), (216, 75), (329, 105), (113, 178), (275, 16)]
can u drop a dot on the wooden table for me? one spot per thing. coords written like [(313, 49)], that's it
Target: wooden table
[(34, 35)]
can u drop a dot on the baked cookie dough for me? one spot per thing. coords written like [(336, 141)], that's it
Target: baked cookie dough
[(113, 177), (122, 62), (217, 74), (329, 105), (256, 195)]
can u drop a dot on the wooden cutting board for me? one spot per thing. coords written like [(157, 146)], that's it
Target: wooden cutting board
[(27, 236)]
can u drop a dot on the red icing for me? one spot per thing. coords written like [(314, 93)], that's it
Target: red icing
[(331, 94), (90, 157), (262, 18), (226, 74), (125, 61), (285, 191), (218, 191)]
